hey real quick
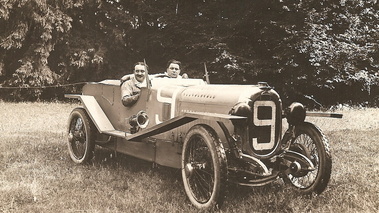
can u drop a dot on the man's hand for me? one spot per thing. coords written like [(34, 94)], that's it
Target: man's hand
[(129, 100)]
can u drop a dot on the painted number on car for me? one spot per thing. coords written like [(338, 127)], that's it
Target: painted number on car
[(268, 121)]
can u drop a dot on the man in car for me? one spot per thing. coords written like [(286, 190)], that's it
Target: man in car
[(174, 68), (131, 88)]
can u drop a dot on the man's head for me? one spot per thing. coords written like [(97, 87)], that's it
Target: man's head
[(173, 68), (140, 71)]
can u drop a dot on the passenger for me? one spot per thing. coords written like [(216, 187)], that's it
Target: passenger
[(173, 69), (131, 87)]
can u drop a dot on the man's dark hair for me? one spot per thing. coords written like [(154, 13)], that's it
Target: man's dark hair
[(141, 63), (173, 61)]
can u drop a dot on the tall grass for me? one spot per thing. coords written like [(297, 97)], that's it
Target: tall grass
[(37, 175)]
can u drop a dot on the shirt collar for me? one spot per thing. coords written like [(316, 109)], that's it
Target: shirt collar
[(139, 84)]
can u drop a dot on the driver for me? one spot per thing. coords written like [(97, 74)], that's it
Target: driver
[(130, 89), (172, 71), (174, 68)]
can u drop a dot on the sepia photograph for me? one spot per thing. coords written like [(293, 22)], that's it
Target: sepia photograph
[(189, 106)]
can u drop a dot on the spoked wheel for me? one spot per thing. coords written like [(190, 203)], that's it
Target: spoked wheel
[(313, 144), (204, 167), (80, 136)]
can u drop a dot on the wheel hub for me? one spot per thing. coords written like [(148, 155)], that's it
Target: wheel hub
[(295, 167), (70, 137), (189, 169)]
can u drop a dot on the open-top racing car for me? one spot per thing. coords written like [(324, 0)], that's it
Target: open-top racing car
[(214, 133)]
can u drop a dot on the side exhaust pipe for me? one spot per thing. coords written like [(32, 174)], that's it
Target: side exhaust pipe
[(141, 120)]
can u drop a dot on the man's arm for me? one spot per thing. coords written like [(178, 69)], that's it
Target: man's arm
[(129, 100), (125, 78), (128, 95)]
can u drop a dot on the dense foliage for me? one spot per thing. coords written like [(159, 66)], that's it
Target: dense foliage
[(319, 52)]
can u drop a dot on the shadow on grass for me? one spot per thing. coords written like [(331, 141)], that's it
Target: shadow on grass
[(274, 197), (104, 157)]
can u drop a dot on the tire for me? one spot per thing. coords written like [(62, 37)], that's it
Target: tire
[(80, 141), (204, 168), (311, 142)]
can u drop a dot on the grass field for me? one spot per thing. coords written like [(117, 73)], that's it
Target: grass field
[(37, 175)]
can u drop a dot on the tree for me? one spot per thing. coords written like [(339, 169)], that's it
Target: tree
[(343, 49), (29, 32), (303, 48)]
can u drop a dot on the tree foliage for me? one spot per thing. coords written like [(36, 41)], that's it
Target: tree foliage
[(342, 45), (320, 51), (29, 33)]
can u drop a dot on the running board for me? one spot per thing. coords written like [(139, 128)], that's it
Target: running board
[(117, 133)]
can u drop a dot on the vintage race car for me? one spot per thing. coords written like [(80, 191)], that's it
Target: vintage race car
[(214, 133)]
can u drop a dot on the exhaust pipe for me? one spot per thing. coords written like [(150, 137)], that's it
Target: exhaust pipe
[(140, 120)]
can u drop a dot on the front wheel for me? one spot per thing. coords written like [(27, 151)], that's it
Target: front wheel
[(81, 142), (204, 167), (312, 143)]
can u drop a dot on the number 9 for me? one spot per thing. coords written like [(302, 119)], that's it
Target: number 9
[(265, 122)]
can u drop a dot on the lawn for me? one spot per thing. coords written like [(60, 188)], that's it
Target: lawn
[(37, 174)]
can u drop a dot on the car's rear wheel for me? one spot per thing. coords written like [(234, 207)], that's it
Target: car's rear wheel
[(204, 167), (81, 131), (313, 144)]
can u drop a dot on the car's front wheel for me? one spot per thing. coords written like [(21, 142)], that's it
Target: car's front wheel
[(204, 167), (311, 142), (81, 142)]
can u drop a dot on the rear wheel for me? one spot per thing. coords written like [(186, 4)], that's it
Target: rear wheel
[(204, 167), (313, 144), (81, 142)]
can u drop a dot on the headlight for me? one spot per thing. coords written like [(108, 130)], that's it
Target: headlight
[(241, 109), (295, 113)]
